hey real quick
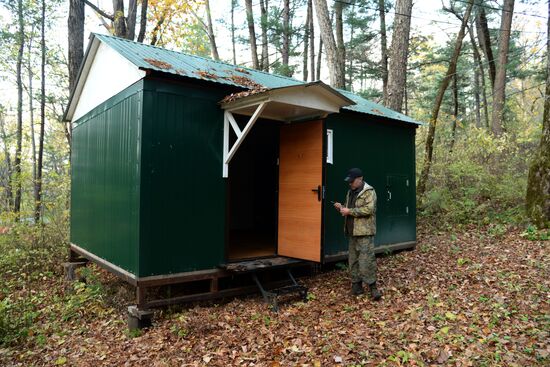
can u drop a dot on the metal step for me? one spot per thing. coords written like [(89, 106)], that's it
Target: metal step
[(246, 266)]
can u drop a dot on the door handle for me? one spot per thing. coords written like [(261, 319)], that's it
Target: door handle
[(318, 191)]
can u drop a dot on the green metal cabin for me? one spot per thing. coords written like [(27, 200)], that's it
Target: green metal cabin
[(181, 164)]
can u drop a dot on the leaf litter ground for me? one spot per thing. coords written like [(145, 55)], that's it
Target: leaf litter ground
[(464, 299)]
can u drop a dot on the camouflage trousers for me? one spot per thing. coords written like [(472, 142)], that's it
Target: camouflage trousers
[(362, 262)]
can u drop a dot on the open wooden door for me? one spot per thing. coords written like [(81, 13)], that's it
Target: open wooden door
[(300, 190)]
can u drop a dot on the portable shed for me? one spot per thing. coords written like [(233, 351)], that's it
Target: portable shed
[(182, 164)]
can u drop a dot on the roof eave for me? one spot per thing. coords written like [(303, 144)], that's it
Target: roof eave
[(93, 45)]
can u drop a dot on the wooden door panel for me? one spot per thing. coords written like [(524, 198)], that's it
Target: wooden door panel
[(300, 171)]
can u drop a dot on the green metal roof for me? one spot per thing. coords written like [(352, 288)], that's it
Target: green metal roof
[(155, 58)]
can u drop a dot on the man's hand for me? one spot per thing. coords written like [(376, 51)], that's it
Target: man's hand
[(338, 206), (345, 211)]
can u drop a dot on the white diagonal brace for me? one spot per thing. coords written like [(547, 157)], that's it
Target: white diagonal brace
[(234, 124), (245, 132)]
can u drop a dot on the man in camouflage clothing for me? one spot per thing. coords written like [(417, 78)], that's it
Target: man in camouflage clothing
[(360, 226)]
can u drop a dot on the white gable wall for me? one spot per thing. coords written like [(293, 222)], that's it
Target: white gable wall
[(109, 74)]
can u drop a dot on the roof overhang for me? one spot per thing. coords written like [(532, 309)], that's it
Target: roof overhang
[(290, 103), (93, 45)]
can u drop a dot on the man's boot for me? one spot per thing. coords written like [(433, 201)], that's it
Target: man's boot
[(357, 288), (374, 292)]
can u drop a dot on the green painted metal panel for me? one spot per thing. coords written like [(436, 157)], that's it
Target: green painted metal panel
[(385, 152), (183, 193), (190, 66), (105, 179)]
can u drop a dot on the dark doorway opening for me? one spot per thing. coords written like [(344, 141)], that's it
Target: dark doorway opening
[(253, 194)]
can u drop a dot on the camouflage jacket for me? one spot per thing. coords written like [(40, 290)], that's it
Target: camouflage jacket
[(364, 213)]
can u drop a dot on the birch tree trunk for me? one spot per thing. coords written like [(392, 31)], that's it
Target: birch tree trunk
[(335, 65), (500, 77), (538, 185), (252, 34), (451, 70), (397, 72)]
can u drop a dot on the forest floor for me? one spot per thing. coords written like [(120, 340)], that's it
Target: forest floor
[(471, 298)]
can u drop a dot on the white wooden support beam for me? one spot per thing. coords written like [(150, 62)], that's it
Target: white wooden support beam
[(234, 124), (225, 169), (245, 132)]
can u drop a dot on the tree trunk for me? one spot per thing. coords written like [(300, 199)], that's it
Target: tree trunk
[(311, 41), (143, 20), (252, 34), (319, 60), (31, 112), (500, 78), (265, 51), (119, 19), (397, 72), (306, 43), (233, 46), (156, 30), (478, 73), (339, 27), (18, 150), (76, 39), (9, 167), (538, 184), (211, 35), (131, 23), (335, 65), (455, 112), (285, 50), (421, 188), (384, 50), (485, 41), (38, 201)]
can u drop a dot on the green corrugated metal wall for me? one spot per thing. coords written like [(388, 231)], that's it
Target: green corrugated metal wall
[(105, 179), (183, 193), (385, 151), (147, 189)]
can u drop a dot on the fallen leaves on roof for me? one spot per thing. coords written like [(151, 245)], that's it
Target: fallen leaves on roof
[(159, 64), (245, 82), (241, 70), (206, 75), (234, 96)]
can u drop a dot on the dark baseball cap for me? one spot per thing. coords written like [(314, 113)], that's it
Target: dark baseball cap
[(353, 174)]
